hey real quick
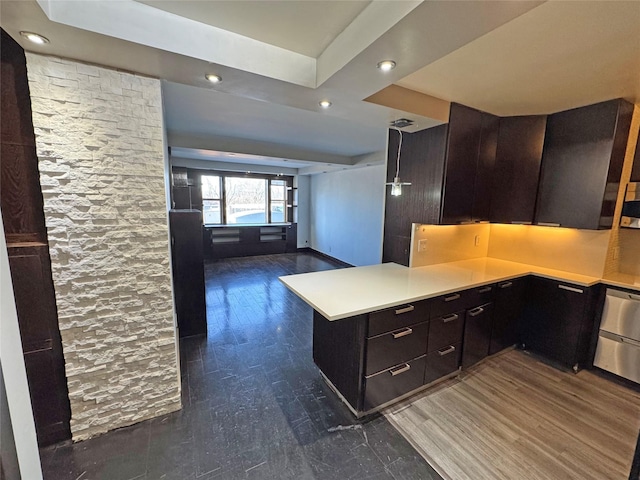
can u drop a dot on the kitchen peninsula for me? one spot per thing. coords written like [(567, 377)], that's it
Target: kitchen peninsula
[(384, 332)]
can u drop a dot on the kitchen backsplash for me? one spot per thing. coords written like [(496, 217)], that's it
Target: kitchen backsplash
[(571, 250), (448, 243), (629, 251)]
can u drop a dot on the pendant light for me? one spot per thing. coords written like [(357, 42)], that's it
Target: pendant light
[(396, 185)]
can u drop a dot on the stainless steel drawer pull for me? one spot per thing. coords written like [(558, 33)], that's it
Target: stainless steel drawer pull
[(407, 309), (450, 318), (548, 224), (402, 333), (453, 297), (506, 285), (446, 351), (476, 311), (405, 368), (485, 290), (571, 289)]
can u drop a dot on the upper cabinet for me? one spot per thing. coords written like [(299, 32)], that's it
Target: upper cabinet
[(582, 162), (517, 169), (470, 154)]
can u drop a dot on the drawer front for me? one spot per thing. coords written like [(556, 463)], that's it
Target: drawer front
[(392, 319), (393, 348), (389, 384), (445, 330), (450, 303), (442, 362), (480, 296)]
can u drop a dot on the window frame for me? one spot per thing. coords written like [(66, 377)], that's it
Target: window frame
[(269, 178), (220, 199)]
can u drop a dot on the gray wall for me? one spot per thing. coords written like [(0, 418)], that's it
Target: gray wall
[(347, 214)]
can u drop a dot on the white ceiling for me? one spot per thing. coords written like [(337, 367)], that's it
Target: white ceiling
[(279, 58), (555, 57), (305, 27)]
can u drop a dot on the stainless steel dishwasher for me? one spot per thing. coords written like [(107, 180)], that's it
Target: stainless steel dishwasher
[(618, 349)]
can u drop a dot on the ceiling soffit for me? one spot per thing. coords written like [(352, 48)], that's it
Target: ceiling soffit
[(306, 27)]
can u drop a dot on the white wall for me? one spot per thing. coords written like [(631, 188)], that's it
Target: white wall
[(347, 214), (15, 375)]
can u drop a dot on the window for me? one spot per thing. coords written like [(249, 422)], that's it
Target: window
[(234, 200), (211, 200), (278, 201), (245, 199)]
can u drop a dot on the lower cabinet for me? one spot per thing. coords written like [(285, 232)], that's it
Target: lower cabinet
[(477, 334), (558, 321), (442, 362), (373, 359), (396, 347), (507, 308), (393, 383)]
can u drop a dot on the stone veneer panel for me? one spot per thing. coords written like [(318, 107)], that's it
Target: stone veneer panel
[(100, 147)]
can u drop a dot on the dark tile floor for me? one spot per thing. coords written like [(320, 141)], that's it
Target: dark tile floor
[(254, 404)]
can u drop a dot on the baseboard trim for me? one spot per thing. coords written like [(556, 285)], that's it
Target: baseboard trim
[(324, 255)]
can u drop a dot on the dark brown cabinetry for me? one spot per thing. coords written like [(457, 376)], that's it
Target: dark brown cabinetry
[(444, 348), (517, 169), (635, 170), (507, 308), (28, 251), (246, 240), (477, 334), (422, 164), (188, 271), (395, 352), (471, 149), (581, 165), (375, 358), (558, 320)]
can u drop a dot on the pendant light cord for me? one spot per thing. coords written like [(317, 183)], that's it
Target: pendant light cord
[(398, 159)]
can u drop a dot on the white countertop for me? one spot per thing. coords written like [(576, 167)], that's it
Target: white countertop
[(343, 293)]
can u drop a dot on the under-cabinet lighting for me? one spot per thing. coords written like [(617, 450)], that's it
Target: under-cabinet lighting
[(325, 103)]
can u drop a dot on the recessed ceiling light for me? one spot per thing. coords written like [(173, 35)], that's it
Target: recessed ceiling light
[(35, 38), (386, 65), (325, 103), (213, 78)]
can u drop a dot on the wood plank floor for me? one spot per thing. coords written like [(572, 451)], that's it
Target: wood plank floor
[(514, 417)]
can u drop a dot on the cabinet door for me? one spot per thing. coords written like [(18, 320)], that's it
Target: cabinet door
[(477, 335), (582, 161), (553, 319), (465, 131), (635, 171), (517, 169), (188, 271), (471, 150), (41, 343), (390, 384), (507, 308), (483, 183)]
